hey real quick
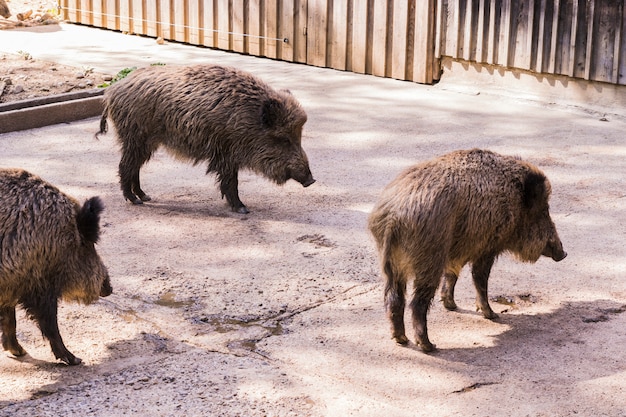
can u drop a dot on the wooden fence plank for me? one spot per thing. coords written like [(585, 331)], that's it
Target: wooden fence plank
[(271, 28), (222, 11), (337, 35), (468, 31), (193, 21), (300, 30), (617, 47), (480, 32), (238, 25), (136, 8), (358, 52), (555, 37), (571, 65), (504, 39), (316, 32), (254, 28), (286, 27), (398, 41), (423, 49), (491, 48), (528, 34), (541, 37), (150, 18), (590, 38), (379, 38), (125, 13)]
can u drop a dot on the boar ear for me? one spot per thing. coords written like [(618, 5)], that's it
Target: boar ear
[(534, 189), (88, 219), (270, 112)]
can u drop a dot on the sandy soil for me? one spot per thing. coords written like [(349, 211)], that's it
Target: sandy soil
[(23, 76), (279, 312)]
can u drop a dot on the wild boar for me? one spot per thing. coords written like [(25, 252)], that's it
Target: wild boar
[(47, 253), (467, 206), (217, 115)]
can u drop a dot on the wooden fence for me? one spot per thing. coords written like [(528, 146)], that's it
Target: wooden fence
[(403, 39), (578, 38), (366, 36)]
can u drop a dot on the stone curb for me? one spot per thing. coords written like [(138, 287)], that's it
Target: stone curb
[(45, 111)]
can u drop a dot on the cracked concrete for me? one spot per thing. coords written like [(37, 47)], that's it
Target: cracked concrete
[(280, 313)]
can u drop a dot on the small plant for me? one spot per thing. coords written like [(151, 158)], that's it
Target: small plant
[(119, 76), (87, 71), (25, 55)]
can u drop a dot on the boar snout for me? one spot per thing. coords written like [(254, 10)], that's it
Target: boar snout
[(554, 250), (106, 289), (308, 182)]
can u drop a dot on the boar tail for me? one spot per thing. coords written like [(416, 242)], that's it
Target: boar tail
[(386, 249), (103, 123)]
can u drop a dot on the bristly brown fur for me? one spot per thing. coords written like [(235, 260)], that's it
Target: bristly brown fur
[(463, 207), (46, 253), (216, 115)]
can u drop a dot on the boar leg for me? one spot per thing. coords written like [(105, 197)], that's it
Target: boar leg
[(395, 302), (480, 273), (450, 277), (425, 285), (132, 160), (45, 314), (229, 187), (8, 327)]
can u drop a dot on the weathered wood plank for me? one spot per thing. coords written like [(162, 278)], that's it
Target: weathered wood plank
[(541, 37), (491, 48), (379, 38), (316, 32), (253, 43), (238, 25), (286, 30), (193, 21), (222, 11), (337, 35), (271, 28), (423, 49), (359, 36), (555, 37), (300, 30), (399, 42), (480, 32), (468, 31)]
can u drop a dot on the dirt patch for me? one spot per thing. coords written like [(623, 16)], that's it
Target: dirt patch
[(24, 77)]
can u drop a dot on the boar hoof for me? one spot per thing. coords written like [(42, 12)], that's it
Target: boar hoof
[(401, 340), (145, 197), (72, 360), (449, 304), (241, 210), (426, 346), (134, 200), (488, 313), (16, 351)]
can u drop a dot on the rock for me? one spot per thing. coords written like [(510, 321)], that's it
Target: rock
[(4, 9), (18, 89), (23, 16)]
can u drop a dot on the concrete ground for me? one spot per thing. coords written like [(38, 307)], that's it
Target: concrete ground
[(279, 312)]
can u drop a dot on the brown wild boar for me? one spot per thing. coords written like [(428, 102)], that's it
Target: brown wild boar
[(47, 253), (463, 207), (206, 113)]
